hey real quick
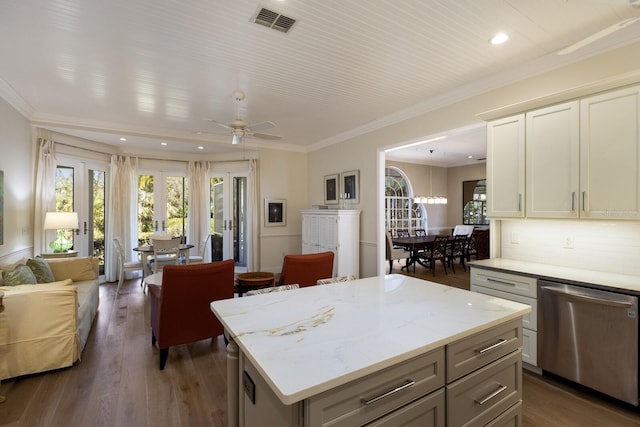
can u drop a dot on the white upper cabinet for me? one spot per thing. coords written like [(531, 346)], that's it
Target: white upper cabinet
[(505, 167), (610, 155), (552, 161)]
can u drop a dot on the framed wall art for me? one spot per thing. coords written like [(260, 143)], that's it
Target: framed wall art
[(351, 186), (275, 212), (331, 189)]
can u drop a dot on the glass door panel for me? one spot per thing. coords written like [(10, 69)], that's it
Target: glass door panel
[(228, 219), (81, 188), (173, 194)]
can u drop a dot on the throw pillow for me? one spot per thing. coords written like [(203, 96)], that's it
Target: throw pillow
[(21, 275), (41, 270)]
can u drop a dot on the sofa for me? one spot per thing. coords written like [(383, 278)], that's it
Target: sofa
[(46, 325)]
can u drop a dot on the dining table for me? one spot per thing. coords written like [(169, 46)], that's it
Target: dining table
[(147, 252), (414, 244)]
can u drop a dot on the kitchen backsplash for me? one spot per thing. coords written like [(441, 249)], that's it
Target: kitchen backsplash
[(610, 246)]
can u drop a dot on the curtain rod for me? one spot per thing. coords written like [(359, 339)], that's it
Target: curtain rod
[(142, 158)]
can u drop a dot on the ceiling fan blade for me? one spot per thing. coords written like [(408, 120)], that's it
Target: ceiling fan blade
[(265, 136), (597, 36), (224, 125), (261, 126)]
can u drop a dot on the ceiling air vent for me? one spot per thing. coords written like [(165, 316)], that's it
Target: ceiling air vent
[(274, 20)]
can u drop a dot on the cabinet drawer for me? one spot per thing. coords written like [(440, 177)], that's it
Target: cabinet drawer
[(428, 411), (469, 354), (507, 282), (511, 418), (483, 395), (529, 320), (378, 394)]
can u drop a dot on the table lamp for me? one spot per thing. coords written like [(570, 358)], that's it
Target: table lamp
[(61, 221)]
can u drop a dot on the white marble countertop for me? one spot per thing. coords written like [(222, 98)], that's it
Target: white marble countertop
[(309, 340), (580, 276)]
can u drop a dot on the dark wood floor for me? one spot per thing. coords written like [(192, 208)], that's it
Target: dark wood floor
[(118, 382)]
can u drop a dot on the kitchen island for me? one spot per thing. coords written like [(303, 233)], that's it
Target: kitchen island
[(381, 350)]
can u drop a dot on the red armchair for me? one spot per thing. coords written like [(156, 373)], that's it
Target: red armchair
[(307, 269), (180, 308)]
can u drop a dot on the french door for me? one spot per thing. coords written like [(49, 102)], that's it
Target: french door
[(228, 223), (162, 204), (81, 188)]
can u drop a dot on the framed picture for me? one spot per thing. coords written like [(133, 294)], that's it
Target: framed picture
[(351, 186), (331, 189), (275, 212)]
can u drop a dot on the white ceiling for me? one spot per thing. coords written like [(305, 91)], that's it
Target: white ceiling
[(152, 70)]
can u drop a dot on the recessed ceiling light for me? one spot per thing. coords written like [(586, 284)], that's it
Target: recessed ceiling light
[(123, 139), (499, 38), (163, 143), (200, 147), (469, 157)]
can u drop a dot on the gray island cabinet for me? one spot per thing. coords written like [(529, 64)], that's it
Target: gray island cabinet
[(382, 351)]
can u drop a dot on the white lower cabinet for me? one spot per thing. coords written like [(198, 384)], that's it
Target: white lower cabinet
[(473, 381), (514, 287)]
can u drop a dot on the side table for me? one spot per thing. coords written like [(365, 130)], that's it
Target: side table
[(255, 280)]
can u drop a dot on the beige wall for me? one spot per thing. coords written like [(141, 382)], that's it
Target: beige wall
[(362, 152), (16, 162), (283, 175)]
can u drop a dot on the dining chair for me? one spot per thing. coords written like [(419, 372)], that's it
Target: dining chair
[(393, 253), (165, 252), (437, 252), (456, 248), (339, 279), (272, 289), (180, 309), (199, 258), (402, 232), (306, 269), (123, 264)]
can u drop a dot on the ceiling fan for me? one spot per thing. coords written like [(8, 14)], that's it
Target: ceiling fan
[(602, 33), (239, 128)]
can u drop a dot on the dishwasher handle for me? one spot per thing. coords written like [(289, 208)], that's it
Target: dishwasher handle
[(579, 296)]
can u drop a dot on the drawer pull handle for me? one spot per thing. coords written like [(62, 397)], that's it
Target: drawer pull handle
[(503, 282), (408, 383), (492, 346), (491, 396)]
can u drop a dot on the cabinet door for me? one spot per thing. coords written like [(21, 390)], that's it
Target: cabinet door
[(505, 167), (309, 234), (610, 155), (552, 150)]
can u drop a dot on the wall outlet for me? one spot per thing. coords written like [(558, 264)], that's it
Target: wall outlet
[(567, 242), (515, 237)]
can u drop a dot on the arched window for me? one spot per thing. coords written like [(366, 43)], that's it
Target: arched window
[(400, 211)]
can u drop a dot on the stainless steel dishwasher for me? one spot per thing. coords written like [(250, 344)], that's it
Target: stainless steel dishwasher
[(589, 336)]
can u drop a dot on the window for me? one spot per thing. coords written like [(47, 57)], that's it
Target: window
[(400, 211), (155, 191)]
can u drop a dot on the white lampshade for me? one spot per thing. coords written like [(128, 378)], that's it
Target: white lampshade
[(61, 220)]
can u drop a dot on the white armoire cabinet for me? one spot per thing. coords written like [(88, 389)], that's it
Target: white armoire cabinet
[(505, 167), (337, 231)]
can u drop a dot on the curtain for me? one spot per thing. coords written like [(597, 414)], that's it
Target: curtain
[(45, 194), (198, 220), (120, 218), (254, 211)]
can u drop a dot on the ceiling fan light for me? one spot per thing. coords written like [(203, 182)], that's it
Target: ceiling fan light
[(237, 139)]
